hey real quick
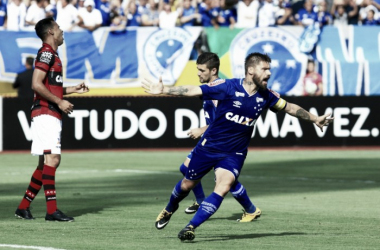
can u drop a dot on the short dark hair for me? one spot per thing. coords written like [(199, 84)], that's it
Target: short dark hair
[(43, 26), (210, 59), (30, 61), (254, 59)]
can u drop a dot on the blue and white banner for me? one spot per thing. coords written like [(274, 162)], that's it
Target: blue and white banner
[(350, 59), (288, 65), (106, 59)]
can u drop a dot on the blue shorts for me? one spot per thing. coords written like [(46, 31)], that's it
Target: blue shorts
[(202, 162), (190, 154)]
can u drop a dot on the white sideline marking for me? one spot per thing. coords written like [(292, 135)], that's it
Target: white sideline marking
[(30, 247), (135, 171)]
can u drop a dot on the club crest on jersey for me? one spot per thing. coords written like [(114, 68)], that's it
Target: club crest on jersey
[(162, 52), (46, 57), (259, 99), (240, 119), (239, 94), (237, 104), (288, 64)]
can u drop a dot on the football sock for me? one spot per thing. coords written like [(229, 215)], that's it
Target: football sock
[(239, 192), (198, 189), (198, 192), (177, 196), (33, 189), (208, 207), (48, 181)]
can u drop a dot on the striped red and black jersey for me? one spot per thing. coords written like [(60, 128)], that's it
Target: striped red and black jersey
[(48, 61)]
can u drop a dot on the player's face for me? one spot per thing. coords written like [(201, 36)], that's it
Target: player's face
[(204, 73), (58, 34), (261, 75)]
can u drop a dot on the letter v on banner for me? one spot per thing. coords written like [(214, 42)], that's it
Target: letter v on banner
[(25, 125), (318, 130)]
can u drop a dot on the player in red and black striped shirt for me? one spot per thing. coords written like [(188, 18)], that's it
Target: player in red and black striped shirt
[(47, 109)]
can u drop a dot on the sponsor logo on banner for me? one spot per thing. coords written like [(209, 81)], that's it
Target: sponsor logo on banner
[(163, 52), (288, 64)]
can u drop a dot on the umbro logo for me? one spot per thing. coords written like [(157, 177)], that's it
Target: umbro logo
[(259, 99), (237, 104)]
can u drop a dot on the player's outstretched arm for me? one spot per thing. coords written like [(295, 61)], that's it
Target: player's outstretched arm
[(79, 89), (300, 113), (159, 88)]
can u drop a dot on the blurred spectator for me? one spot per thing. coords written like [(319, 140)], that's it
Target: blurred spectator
[(142, 6), (35, 12), (370, 19), (23, 82), (67, 15), (51, 9), (284, 15), (167, 17), (313, 85), (118, 24), (150, 17), (208, 18), (16, 12), (306, 16), (367, 5), (344, 12), (267, 13), (323, 17), (227, 15), (89, 17), (133, 18), (105, 10), (80, 4), (247, 11), (3, 15), (116, 9), (188, 14)]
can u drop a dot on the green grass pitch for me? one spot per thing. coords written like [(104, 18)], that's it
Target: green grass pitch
[(311, 199)]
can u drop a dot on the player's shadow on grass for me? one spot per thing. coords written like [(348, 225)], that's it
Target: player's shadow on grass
[(246, 236)]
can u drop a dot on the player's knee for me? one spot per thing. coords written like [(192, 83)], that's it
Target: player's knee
[(53, 160), (187, 185)]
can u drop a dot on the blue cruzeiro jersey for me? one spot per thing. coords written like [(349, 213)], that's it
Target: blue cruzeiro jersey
[(209, 108), (236, 115)]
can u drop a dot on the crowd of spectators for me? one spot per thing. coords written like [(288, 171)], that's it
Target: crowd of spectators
[(118, 14)]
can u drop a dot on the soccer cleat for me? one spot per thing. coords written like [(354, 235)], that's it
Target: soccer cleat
[(187, 233), (24, 214), (58, 216), (163, 218), (192, 209), (247, 217)]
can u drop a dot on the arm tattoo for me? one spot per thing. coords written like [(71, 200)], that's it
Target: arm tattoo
[(301, 113), (177, 90)]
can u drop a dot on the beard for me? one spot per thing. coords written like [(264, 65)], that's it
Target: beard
[(259, 83), (204, 80)]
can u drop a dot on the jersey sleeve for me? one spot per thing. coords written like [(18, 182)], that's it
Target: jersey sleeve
[(45, 60), (216, 90), (276, 103)]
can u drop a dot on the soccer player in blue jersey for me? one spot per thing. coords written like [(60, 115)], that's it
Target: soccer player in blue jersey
[(208, 69), (223, 146)]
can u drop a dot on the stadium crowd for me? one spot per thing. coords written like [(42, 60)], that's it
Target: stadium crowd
[(118, 14)]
